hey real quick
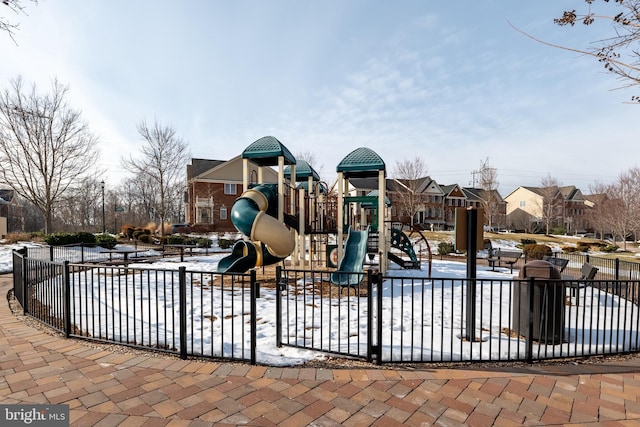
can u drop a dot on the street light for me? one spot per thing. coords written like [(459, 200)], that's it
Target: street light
[(103, 224)]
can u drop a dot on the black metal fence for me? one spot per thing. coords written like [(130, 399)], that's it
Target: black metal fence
[(381, 318), (412, 320), (609, 268), (189, 313)]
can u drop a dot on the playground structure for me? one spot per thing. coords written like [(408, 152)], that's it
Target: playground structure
[(294, 217)]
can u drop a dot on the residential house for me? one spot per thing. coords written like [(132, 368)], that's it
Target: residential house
[(529, 208), (429, 200), (212, 188), (494, 206), (433, 205)]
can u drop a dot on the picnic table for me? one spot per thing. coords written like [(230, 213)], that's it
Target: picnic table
[(182, 248), (124, 252)]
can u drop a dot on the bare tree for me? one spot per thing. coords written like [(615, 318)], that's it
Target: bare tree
[(410, 173), (620, 53), (598, 213), (162, 166), (627, 203), (489, 196), (44, 146), (17, 7), (550, 203), (81, 207)]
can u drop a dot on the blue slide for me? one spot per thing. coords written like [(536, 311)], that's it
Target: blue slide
[(271, 240), (355, 250)]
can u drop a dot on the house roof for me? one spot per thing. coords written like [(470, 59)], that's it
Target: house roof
[(361, 162), (266, 151), (480, 194), (451, 188), (199, 166)]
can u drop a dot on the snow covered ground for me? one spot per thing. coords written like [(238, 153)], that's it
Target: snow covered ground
[(447, 318)]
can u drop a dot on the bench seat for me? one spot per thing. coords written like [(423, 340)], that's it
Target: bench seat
[(503, 256)]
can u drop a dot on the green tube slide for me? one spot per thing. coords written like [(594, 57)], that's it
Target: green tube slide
[(271, 240)]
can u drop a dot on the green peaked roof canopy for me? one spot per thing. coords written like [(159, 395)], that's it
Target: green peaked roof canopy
[(266, 150), (303, 171), (375, 193), (361, 163)]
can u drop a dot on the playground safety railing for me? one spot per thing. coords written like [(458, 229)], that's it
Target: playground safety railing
[(427, 320), (188, 313)]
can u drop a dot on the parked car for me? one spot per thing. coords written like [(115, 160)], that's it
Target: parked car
[(180, 229)]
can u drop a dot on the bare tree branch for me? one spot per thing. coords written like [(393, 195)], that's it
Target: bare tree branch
[(162, 165), (410, 173), (45, 147), (620, 53), (16, 7)]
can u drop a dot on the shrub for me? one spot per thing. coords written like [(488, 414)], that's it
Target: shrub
[(106, 241), (558, 230), (569, 249), (141, 232), (445, 248), (526, 241), (60, 239), (127, 230), (144, 238), (610, 248), (535, 251), (225, 243), (583, 247), (176, 240), (18, 237), (204, 243)]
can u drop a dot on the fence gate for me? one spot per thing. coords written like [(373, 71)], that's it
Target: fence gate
[(314, 313)]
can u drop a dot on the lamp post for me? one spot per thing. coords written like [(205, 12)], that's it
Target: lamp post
[(104, 230)]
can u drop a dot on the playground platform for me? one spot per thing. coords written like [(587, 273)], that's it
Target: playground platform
[(107, 388)]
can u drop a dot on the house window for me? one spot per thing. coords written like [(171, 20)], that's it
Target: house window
[(223, 212), (230, 189), (523, 203)]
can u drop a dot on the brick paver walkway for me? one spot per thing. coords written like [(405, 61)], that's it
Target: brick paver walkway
[(107, 389)]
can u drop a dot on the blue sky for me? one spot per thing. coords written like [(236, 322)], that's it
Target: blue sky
[(449, 82)]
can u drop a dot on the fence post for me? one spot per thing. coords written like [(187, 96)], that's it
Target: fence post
[(529, 347), (370, 318), (278, 307), (51, 253), (378, 353), (66, 277), (25, 288), (182, 284), (617, 269), (255, 289)]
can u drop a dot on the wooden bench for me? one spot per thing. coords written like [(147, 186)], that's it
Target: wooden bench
[(560, 263), (501, 256), (587, 272)]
